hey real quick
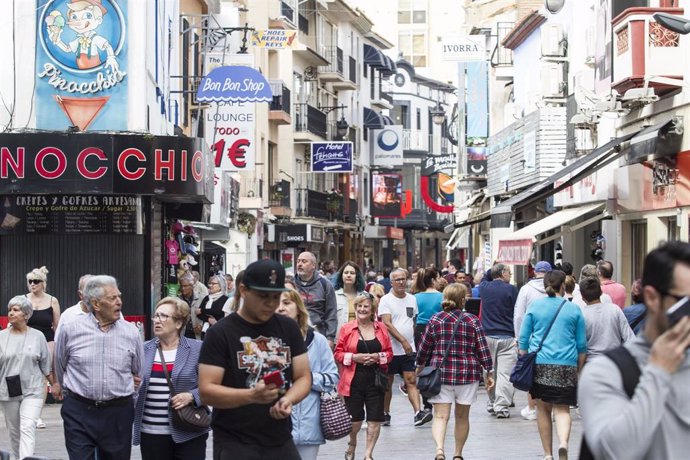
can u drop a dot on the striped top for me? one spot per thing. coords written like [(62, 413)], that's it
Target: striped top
[(155, 418)]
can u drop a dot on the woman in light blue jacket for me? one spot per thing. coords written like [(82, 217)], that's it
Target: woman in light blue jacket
[(306, 423)]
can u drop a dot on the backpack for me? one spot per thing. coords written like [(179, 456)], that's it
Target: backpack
[(630, 372)]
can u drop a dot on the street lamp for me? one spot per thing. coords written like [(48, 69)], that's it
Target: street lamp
[(673, 22), (438, 115), (341, 126), (554, 6)]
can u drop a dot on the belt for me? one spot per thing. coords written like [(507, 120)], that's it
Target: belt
[(99, 404)]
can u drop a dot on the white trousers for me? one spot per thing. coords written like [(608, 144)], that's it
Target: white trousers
[(308, 452), (20, 418)]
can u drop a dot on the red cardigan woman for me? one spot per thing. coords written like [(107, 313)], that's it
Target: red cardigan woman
[(363, 344)]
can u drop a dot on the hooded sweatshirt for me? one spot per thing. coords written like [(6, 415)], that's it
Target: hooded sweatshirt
[(533, 290), (319, 298)]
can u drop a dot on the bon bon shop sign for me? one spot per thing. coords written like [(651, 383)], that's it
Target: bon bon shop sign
[(331, 157), (104, 164)]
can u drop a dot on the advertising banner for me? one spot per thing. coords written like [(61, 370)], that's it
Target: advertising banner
[(477, 82), (388, 151), (515, 252), (81, 65), (386, 195), (273, 38), (331, 157), (437, 163), (477, 161)]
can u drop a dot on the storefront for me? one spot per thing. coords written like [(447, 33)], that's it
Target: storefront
[(286, 241), (98, 203)]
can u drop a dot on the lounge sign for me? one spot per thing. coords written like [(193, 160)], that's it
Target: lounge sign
[(103, 164)]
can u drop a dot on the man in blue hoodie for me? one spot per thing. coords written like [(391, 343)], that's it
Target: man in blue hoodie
[(498, 305)]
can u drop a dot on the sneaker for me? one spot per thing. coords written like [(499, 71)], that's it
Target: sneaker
[(40, 424), (528, 414), (490, 408), (422, 417), (386, 419), (403, 388), (503, 413)]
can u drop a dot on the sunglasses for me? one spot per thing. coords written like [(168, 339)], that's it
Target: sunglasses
[(35, 281)]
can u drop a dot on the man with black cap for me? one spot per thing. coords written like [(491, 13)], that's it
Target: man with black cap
[(253, 368)]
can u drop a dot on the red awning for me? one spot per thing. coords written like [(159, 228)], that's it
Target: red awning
[(515, 252)]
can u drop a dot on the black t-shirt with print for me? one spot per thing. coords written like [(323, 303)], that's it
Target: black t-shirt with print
[(248, 351)]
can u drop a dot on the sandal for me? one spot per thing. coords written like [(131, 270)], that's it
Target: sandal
[(458, 457), (440, 455), (350, 452)]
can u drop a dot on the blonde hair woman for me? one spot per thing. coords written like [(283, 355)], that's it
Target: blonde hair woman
[(46, 315), (460, 366), (306, 427), (362, 346)]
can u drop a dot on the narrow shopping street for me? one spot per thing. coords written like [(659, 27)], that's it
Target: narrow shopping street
[(513, 438)]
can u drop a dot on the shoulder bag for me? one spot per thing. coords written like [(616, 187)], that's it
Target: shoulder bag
[(336, 422), (429, 380), (380, 377), (189, 417), (522, 375)]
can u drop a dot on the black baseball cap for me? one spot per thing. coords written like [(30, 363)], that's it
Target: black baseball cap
[(265, 275)]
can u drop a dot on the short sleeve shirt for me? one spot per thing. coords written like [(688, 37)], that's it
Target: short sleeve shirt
[(402, 313), (247, 352), (172, 247)]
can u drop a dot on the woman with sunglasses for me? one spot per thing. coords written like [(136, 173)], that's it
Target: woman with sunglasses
[(153, 429), (46, 313), (363, 345)]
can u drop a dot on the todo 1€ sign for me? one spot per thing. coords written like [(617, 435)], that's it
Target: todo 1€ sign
[(331, 157), (463, 48)]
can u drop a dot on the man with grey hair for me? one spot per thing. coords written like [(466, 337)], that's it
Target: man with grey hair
[(318, 296), (187, 293), (76, 310), (498, 308), (587, 271), (97, 356), (200, 289)]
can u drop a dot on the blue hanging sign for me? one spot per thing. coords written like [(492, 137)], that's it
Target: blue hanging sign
[(234, 83), (331, 157)]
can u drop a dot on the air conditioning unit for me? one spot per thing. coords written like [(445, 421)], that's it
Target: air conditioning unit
[(553, 41), (552, 81)]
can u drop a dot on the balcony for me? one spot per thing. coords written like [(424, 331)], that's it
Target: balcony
[(250, 193), (644, 48), (415, 139), (315, 204), (311, 124), (308, 46), (279, 111), (279, 199), (335, 72)]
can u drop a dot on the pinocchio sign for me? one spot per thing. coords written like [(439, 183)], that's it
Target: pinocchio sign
[(102, 164)]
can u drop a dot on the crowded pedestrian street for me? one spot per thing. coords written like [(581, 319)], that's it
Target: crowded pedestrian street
[(490, 438)]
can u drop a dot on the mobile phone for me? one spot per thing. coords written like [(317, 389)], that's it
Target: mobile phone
[(274, 377), (678, 310)]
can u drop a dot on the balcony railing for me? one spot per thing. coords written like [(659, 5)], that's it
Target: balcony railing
[(501, 55), (642, 47), (279, 194), (415, 139), (310, 119), (281, 96), (334, 55), (316, 204)]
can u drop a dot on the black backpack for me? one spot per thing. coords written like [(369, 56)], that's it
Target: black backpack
[(630, 372)]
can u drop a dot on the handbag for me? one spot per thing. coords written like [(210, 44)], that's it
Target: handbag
[(14, 386), (522, 375), (380, 377), (189, 417), (429, 379), (336, 422)]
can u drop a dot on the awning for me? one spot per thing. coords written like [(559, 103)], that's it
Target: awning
[(502, 214), (373, 119), (659, 140), (516, 248), (374, 57), (458, 239), (390, 68)]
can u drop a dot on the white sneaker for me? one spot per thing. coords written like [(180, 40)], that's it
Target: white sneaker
[(40, 424), (528, 414)]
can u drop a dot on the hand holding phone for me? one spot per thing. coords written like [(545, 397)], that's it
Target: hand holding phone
[(274, 377), (678, 310)]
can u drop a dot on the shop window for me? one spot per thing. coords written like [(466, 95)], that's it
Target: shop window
[(638, 233)]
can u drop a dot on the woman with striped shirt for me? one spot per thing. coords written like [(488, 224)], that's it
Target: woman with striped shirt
[(153, 428)]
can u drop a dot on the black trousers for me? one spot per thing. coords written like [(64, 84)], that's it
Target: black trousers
[(92, 432), (162, 447), (225, 449)]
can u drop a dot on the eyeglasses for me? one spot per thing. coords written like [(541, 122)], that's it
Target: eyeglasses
[(35, 281), (162, 317)]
